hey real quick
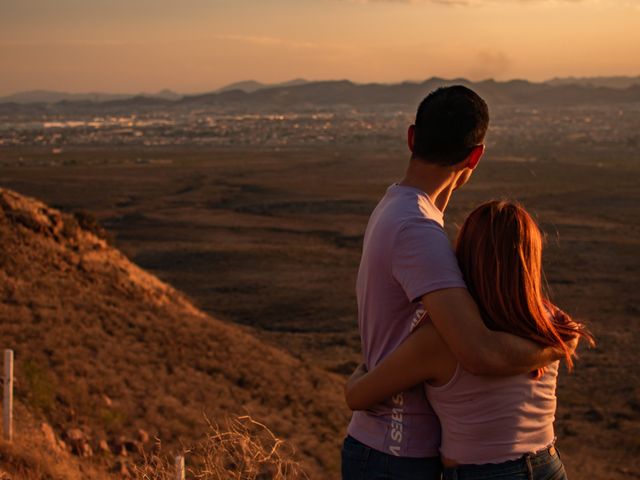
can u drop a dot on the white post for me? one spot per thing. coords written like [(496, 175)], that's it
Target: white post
[(180, 474), (7, 406)]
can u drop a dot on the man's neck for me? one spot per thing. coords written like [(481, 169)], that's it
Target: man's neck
[(436, 181)]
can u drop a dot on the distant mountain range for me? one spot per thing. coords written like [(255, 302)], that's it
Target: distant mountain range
[(52, 96), (49, 96), (301, 94), (250, 86), (608, 82)]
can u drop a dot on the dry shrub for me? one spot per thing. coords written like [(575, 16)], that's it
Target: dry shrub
[(154, 467), (243, 450)]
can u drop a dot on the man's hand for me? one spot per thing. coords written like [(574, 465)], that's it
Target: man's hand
[(572, 344)]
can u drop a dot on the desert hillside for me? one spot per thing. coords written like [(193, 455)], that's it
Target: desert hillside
[(37, 453), (106, 348)]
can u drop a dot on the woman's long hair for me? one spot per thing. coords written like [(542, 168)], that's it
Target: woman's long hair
[(499, 249)]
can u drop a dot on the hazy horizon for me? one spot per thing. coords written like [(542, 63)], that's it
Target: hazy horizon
[(218, 87), (198, 45)]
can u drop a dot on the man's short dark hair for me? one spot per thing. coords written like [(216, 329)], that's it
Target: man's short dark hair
[(450, 121)]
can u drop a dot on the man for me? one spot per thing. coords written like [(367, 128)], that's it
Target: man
[(407, 267)]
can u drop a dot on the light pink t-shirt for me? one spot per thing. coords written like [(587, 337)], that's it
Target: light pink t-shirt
[(406, 254), (495, 419)]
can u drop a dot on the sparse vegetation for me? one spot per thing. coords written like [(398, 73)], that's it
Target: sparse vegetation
[(242, 450), (35, 454), (39, 388), (105, 350)]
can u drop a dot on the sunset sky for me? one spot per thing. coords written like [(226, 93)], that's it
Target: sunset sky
[(199, 45)]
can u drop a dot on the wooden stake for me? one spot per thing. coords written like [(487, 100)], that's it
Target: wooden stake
[(7, 406), (180, 473)]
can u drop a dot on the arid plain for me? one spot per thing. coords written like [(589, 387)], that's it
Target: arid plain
[(269, 238)]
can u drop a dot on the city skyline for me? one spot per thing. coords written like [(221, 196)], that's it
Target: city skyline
[(198, 45)]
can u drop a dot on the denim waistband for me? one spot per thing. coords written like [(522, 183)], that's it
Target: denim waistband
[(522, 465)]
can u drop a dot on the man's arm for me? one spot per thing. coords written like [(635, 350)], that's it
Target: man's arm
[(479, 350)]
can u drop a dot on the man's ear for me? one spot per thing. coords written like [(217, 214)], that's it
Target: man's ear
[(411, 137), (474, 156)]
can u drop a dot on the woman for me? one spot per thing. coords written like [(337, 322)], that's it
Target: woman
[(492, 427)]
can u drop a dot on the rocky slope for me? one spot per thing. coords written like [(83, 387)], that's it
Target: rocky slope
[(105, 348)]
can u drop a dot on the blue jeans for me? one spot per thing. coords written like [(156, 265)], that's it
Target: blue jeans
[(360, 462), (545, 465)]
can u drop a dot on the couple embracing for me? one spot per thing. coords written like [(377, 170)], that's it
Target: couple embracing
[(461, 346)]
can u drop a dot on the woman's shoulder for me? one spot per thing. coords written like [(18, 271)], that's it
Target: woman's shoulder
[(528, 380)]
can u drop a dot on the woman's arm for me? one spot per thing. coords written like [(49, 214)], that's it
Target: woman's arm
[(423, 356)]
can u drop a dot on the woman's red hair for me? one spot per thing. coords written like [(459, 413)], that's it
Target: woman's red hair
[(499, 249)]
